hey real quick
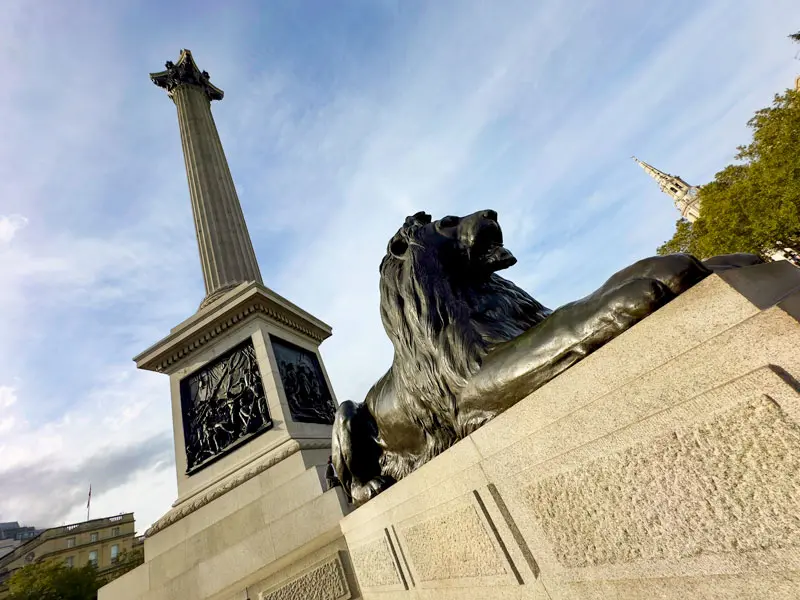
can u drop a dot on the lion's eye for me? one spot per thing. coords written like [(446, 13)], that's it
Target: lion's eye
[(449, 221)]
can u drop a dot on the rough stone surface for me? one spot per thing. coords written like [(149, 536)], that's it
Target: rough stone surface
[(452, 546), (720, 486), (647, 471), (325, 582), (374, 564)]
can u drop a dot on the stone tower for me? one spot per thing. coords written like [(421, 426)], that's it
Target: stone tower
[(683, 194), (226, 252), (252, 409)]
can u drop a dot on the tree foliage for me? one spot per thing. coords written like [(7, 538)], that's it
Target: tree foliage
[(54, 581), (752, 206), (681, 241), (51, 580), (128, 561)]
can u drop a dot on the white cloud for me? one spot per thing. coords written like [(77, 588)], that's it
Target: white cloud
[(120, 430), (9, 226), (8, 396)]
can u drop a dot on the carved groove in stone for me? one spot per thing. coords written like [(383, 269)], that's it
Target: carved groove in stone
[(725, 485), (375, 564), (323, 582), (224, 406), (396, 559), (515, 532), (497, 537), (452, 546), (403, 556)]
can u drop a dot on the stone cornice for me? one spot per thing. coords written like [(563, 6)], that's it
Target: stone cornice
[(186, 72), (283, 452), (227, 311)]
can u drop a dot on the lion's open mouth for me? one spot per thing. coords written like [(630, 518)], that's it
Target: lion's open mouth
[(498, 257), (490, 250)]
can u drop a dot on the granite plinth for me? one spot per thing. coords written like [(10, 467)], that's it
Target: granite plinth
[(661, 466), (258, 521)]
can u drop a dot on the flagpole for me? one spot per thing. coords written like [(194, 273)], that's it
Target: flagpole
[(89, 502)]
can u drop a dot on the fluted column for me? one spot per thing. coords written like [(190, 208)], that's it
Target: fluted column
[(226, 252)]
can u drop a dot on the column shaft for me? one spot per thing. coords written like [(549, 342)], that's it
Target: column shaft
[(226, 252)]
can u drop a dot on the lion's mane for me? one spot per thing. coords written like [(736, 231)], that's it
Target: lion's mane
[(441, 324)]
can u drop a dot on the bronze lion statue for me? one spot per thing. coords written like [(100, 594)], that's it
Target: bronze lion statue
[(468, 344)]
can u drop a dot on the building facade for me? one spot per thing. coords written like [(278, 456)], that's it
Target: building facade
[(12, 530), (99, 541)]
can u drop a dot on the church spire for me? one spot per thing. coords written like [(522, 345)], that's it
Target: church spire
[(683, 194)]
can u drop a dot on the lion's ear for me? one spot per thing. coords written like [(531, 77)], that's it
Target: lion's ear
[(398, 246), (422, 217)]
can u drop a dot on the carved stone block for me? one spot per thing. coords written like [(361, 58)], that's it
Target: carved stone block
[(223, 406), (721, 485), (452, 545), (304, 384), (322, 582), (376, 565)]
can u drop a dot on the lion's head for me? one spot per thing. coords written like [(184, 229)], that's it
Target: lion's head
[(470, 246), (443, 305)]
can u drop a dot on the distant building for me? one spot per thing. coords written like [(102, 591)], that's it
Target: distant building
[(687, 201), (7, 546), (14, 531), (683, 194), (99, 541)]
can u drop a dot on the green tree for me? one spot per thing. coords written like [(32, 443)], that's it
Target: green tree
[(681, 241), (53, 581), (752, 206), (128, 561)]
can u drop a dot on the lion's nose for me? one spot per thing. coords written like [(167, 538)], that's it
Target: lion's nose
[(489, 214)]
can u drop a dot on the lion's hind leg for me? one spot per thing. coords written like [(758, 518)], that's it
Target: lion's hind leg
[(356, 452)]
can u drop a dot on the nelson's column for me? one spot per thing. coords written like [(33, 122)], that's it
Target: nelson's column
[(252, 409)]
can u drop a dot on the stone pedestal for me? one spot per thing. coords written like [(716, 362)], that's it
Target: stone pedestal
[(665, 465), (254, 519)]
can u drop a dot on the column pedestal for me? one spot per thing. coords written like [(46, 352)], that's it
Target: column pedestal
[(256, 520)]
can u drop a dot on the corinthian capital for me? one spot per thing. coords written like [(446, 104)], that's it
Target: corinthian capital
[(186, 72)]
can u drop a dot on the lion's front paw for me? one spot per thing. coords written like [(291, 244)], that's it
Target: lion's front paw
[(678, 272), (360, 493)]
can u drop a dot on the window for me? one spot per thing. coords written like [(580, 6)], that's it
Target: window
[(69, 561), (114, 553), (70, 542), (114, 531), (93, 557), (93, 537)]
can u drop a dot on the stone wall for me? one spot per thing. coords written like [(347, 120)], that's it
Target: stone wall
[(662, 466)]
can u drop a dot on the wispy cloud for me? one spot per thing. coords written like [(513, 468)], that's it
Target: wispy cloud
[(337, 122)]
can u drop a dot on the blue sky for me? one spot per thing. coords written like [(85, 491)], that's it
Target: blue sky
[(339, 120)]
